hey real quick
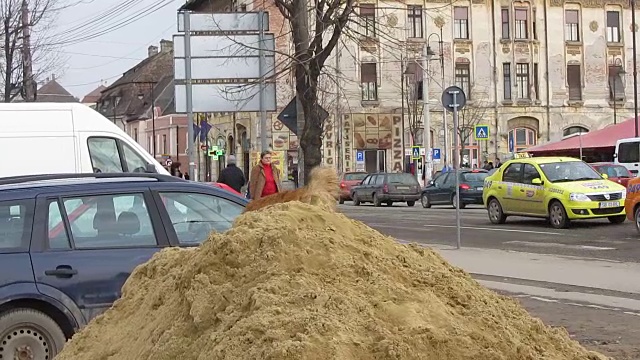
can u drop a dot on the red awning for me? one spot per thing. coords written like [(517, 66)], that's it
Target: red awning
[(602, 138)]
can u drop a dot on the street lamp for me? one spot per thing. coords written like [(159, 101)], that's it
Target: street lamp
[(635, 66), (617, 63), (444, 113), (153, 110)]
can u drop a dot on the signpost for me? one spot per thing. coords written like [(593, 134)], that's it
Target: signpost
[(360, 160), (481, 132), (437, 155), (453, 100), (224, 62), (415, 153)]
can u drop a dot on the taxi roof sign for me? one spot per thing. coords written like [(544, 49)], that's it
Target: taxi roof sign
[(522, 155)]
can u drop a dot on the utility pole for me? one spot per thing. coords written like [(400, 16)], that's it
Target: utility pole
[(427, 168), (635, 66), (27, 65), (301, 12)]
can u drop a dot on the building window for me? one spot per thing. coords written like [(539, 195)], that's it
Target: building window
[(574, 82), (461, 22), (369, 81), (521, 28), (368, 20), (522, 138), (571, 25), (613, 26), (574, 130), (534, 25), (522, 80), (148, 143), (536, 82), (504, 13), (463, 78), (164, 144), (616, 83), (506, 80), (135, 134), (414, 17)]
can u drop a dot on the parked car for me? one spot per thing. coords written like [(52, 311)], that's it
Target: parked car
[(69, 242), (387, 188), (560, 189), (615, 172), (442, 189), (225, 187), (84, 141), (347, 181)]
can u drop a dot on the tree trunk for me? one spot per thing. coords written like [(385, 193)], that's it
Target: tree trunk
[(311, 140)]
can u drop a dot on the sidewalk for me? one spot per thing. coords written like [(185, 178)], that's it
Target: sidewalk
[(585, 272)]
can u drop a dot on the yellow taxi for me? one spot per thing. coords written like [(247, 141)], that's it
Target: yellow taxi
[(560, 189)]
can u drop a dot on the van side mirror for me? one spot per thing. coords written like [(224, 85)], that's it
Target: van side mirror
[(151, 169), (536, 181), (605, 176)]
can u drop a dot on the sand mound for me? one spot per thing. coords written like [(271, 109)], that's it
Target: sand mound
[(294, 281)]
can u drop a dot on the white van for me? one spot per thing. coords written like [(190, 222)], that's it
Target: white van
[(628, 154), (53, 138)]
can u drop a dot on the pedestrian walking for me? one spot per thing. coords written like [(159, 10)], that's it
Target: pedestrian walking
[(264, 179), (232, 175)]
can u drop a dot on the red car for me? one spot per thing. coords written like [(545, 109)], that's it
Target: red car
[(615, 172), (347, 180), (225, 187)]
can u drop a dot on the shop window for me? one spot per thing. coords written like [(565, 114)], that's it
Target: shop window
[(522, 138)]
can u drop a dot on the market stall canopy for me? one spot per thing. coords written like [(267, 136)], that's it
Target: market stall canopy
[(603, 138)]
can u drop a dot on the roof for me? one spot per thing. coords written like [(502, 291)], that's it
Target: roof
[(193, 4), (603, 138), (94, 96), (54, 92), (545, 159)]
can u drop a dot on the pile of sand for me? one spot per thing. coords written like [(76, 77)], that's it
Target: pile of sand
[(294, 281)]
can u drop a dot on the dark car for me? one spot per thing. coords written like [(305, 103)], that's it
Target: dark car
[(347, 181), (615, 172), (387, 188), (442, 189), (69, 242)]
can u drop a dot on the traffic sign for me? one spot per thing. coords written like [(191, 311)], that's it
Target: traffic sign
[(436, 155), (168, 162), (360, 156), (512, 148), (453, 97), (415, 153), (481, 132)]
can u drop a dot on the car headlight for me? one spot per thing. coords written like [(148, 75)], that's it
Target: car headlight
[(578, 197), (624, 193)]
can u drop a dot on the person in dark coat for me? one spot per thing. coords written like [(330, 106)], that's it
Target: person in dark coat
[(232, 175)]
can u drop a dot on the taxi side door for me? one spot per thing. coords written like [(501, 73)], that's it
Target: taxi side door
[(530, 197), (509, 186)]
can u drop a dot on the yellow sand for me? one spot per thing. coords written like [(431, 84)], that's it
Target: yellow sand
[(294, 281)]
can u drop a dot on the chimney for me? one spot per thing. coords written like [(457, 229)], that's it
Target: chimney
[(166, 45), (53, 76), (153, 50)]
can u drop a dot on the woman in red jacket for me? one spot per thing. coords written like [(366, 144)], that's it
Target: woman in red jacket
[(264, 179)]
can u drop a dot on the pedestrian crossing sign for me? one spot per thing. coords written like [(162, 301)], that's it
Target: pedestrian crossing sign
[(415, 153), (481, 132)]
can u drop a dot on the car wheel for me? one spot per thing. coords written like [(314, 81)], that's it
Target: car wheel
[(29, 334), (376, 201), (341, 201), (558, 216), (637, 217), (455, 202), (354, 198), (426, 203), (619, 219), (496, 215), (389, 203)]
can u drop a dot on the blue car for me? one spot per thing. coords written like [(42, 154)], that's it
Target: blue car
[(69, 242)]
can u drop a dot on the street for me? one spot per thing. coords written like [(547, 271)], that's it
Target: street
[(582, 278)]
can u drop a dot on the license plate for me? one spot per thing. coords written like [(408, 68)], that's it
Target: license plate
[(609, 204), (402, 187), (479, 188)]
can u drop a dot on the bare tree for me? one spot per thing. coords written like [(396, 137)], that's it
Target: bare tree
[(474, 113), (41, 16), (311, 50)]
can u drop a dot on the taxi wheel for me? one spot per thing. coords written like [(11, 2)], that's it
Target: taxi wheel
[(637, 217), (558, 216), (496, 215)]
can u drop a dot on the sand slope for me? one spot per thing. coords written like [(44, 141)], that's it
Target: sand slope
[(294, 281)]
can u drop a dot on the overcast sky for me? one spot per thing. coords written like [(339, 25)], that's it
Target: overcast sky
[(101, 39)]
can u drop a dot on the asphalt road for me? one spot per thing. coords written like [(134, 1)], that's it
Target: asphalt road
[(612, 331), (437, 225)]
